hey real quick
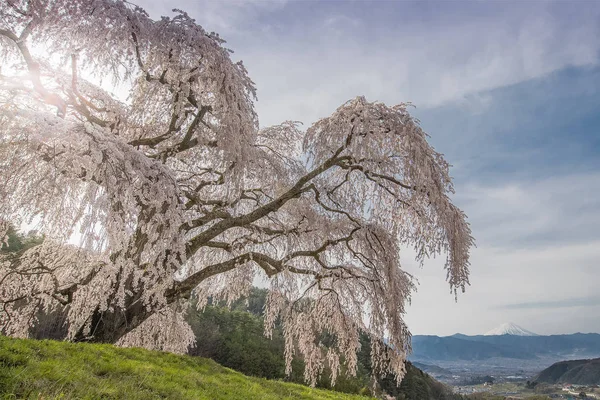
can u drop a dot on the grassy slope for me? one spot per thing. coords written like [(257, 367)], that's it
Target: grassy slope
[(50, 369)]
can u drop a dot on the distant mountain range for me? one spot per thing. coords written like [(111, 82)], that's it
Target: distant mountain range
[(461, 347), (578, 372), (511, 342)]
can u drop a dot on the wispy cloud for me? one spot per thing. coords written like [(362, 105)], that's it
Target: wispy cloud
[(536, 263), (308, 58), (226, 17), (556, 210), (592, 301)]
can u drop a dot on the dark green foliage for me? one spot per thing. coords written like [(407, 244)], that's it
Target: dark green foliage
[(18, 241), (49, 325), (235, 339), (14, 241), (416, 385), (582, 372), (254, 303), (531, 385)]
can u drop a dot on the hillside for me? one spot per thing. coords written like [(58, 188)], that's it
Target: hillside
[(32, 369), (432, 369), (578, 372)]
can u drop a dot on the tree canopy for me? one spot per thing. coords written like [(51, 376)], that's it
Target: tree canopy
[(174, 189)]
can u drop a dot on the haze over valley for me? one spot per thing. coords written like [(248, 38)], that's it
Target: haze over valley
[(508, 352)]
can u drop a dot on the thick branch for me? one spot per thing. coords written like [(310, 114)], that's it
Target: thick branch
[(184, 288), (262, 211)]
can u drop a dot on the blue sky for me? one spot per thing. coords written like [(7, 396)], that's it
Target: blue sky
[(508, 91)]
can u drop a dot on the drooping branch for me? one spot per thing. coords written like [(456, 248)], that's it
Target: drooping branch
[(296, 190)]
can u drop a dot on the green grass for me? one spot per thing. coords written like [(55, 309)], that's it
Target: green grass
[(46, 369)]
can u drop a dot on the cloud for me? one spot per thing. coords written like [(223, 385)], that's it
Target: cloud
[(229, 17), (537, 257), (306, 70), (341, 21), (591, 301), (309, 58), (560, 209)]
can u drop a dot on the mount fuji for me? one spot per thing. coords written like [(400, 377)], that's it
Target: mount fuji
[(509, 329)]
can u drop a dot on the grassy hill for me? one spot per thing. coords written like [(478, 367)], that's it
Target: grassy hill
[(33, 369)]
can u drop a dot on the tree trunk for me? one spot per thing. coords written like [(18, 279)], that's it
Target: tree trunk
[(110, 326)]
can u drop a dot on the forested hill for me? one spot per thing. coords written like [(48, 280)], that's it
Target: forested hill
[(578, 372), (234, 338)]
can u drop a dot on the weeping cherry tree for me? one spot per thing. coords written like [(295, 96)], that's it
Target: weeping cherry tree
[(170, 191)]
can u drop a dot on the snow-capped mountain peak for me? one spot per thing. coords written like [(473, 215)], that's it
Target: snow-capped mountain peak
[(510, 329)]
